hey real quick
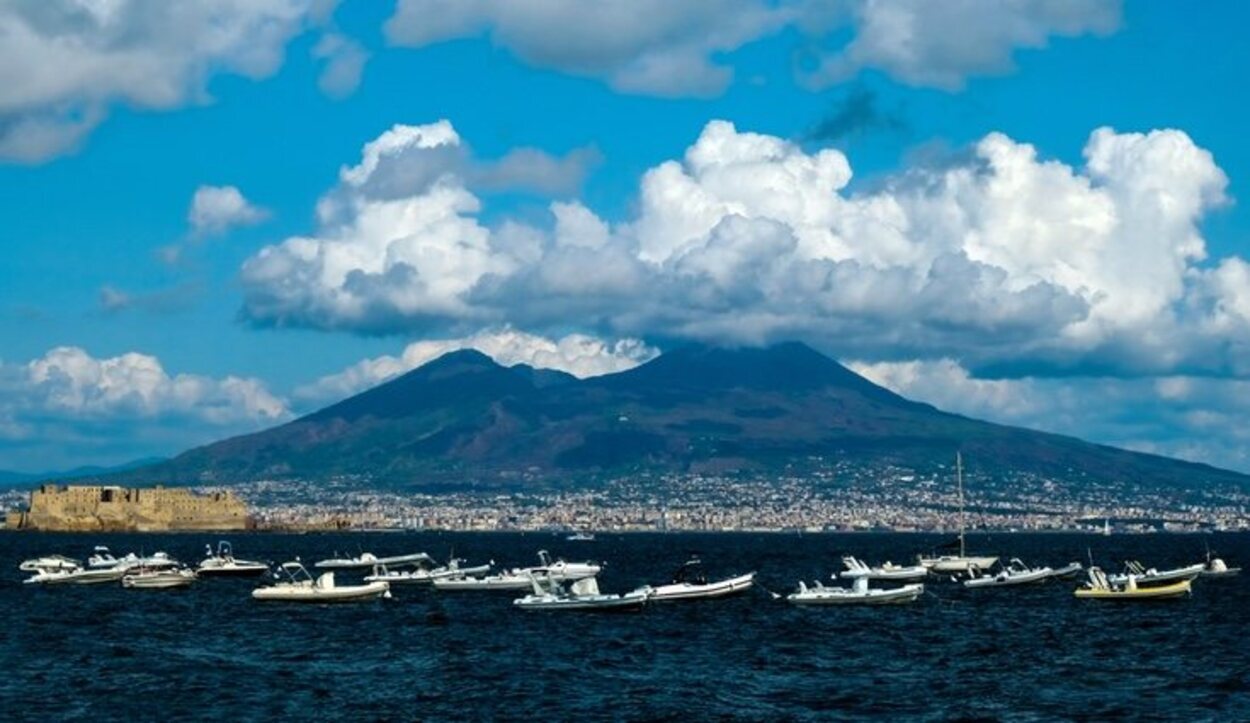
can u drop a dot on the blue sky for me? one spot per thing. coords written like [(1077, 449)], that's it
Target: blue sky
[(1102, 296)]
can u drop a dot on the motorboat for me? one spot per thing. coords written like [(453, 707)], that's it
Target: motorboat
[(49, 562), (581, 537), (690, 583), (1216, 567), (423, 574), (561, 570), (368, 560), (1151, 576), (295, 584), (1100, 587), (858, 594), (81, 576), (1070, 570), (223, 563), (510, 580), (101, 558), (582, 594), (160, 577), (1015, 573), (963, 562), (856, 568)]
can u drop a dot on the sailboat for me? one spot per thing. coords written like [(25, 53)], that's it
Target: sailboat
[(961, 562)]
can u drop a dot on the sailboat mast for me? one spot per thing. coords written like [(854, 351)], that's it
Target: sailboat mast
[(959, 477)]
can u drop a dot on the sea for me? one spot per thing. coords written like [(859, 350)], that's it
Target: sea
[(210, 652)]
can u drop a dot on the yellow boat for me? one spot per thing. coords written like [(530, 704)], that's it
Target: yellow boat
[(1098, 588)]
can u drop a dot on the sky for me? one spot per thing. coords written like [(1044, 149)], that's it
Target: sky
[(215, 217)]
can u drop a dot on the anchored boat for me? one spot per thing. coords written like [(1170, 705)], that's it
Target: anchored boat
[(1216, 567), (155, 578), (368, 560), (423, 574), (690, 583), (858, 594), (1151, 576), (223, 563), (856, 568), (49, 562), (1015, 573), (583, 594), (1100, 587), (295, 584), (961, 562)]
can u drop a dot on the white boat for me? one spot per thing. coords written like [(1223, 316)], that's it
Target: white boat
[(583, 594), (689, 583), (502, 581), (561, 570), (77, 577), (102, 559), (1216, 567), (1146, 577), (425, 575), (856, 568), (154, 578), (1015, 573), (49, 562), (368, 559), (223, 563), (1070, 570), (295, 584), (962, 562), (858, 594), (581, 537)]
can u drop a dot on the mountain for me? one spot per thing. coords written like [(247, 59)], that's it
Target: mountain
[(9, 479), (463, 419)]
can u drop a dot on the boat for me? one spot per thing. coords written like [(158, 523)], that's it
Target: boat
[(962, 562), (295, 584), (223, 563), (1015, 573), (858, 594), (690, 583), (102, 559), (519, 578), (144, 577), (510, 580), (856, 568), (1216, 567), (581, 537), (423, 574), (81, 576), (368, 560), (49, 562), (1070, 570), (1151, 576), (1100, 587), (582, 594)]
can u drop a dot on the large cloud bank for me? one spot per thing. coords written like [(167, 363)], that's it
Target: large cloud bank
[(1009, 262)]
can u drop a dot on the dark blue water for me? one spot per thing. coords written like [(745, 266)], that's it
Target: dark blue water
[(210, 652)]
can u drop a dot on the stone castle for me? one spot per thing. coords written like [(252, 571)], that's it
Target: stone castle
[(89, 508)]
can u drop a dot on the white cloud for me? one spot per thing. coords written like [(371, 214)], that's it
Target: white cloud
[(344, 64), (940, 44), (578, 354), (68, 380), (68, 61), (216, 209), (1004, 260), (1194, 418), (678, 47)]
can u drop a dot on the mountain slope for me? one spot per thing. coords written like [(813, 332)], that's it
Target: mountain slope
[(462, 418)]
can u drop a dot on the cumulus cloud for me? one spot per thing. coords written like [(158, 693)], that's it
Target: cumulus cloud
[(1010, 262), (940, 44), (68, 61), (678, 47), (216, 209), (1194, 418), (578, 354), (68, 407)]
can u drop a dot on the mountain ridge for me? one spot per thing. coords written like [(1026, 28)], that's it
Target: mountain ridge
[(463, 418)]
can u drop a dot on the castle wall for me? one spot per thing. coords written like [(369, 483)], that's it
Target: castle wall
[(88, 508)]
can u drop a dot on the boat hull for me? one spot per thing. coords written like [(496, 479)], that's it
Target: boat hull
[(593, 603), (959, 564), (1182, 574), (688, 591), (317, 595), (157, 582), (840, 596), (1161, 592), (1025, 578)]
